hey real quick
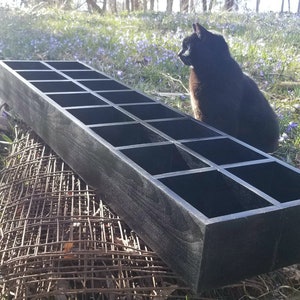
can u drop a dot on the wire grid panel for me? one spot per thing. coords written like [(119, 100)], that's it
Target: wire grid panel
[(58, 239)]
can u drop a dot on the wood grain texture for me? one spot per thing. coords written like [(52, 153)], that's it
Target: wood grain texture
[(167, 226), (241, 231)]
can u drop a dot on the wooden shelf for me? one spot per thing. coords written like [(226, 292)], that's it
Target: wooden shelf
[(215, 209)]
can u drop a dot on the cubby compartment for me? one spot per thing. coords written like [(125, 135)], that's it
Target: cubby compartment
[(26, 65), (103, 85), (224, 151), (274, 179), (76, 99), (85, 74), (99, 115), (184, 129), (151, 111), (125, 97), (67, 65), (41, 75), (128, 134), (202, 200), (214, 194), (57, 86), (163, 159)]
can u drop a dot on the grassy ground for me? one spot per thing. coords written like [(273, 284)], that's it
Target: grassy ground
[(141, 50)]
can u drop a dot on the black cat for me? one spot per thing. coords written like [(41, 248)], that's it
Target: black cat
[(223, 96)]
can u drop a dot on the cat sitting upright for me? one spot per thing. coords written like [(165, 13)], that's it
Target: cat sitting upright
[(223, 96)]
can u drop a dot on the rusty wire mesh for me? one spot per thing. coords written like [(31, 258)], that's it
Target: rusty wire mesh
[(58, 240)]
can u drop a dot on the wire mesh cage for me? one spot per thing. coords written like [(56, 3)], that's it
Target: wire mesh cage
[(58, 240)]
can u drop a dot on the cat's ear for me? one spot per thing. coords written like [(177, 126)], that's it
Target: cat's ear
[(199, 30)]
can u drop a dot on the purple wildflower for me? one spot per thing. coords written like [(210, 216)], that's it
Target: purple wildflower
[(101, 51), (291, 126)]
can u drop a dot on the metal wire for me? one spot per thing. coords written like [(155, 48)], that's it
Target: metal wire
[(58, 240)]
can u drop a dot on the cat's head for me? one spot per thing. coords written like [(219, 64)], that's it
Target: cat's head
[(202, 46)]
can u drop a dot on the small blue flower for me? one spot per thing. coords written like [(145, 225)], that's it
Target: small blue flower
[(101, 51), (291, 126), (147, 59)]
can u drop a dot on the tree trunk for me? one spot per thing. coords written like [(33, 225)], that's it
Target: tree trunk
[(282, 6), (204, 5), (127, 5), (169, 6), (257, 5), (228, 5), (184, 5), (135, 5), (298, 10), (113, 6), (192, 6), (152, 5), (104, 7), (145, 5), (93, 7), (211, 3)]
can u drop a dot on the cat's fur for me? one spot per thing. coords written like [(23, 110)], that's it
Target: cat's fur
[(223, 96)]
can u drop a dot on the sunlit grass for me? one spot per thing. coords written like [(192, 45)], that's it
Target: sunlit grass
[(141, 50)]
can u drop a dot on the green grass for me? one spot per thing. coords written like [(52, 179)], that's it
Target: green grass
[(141, 50)]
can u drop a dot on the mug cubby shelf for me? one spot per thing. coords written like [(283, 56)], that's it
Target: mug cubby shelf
[(215, 209)]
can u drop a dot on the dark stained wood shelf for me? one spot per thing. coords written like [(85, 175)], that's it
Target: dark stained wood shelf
[(215, 209)]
